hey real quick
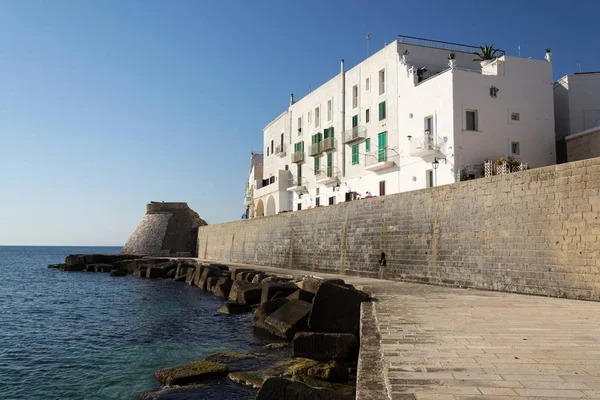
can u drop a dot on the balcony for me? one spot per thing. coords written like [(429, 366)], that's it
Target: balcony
[(297, 185), (327, 175), (315, 149), (425, 146), (328, 144), (298, 157), (247, 200), (354, 135), (280, 150), (379, 159)]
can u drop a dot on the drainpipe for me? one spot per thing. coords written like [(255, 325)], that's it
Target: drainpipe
[(343, 75)]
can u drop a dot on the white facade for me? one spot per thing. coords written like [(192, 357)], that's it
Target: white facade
[(576, 106), (393, 115)]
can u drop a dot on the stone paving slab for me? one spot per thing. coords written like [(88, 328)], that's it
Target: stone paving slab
[(461, 344)]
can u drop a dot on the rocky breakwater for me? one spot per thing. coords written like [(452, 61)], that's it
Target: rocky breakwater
[(314, 322)]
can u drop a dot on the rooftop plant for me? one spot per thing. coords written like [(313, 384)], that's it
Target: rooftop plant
[(486, 52)]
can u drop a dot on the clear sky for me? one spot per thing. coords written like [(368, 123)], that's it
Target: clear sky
[(107, 105)]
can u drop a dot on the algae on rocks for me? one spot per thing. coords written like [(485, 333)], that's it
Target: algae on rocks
[(191, 373)]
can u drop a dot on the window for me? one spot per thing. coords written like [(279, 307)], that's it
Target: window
[(429, 125), (317, 190), (382, 188), (330, 164), (267, 151), (367, 145), (272, 144), (381, 82), (281, 144), (382, 147), (354, 96), (471, 117), (367, 115), (382, 111), (299, 147), (355, 154), (309, 118), (328, 132), (515, 148), (355, 121), (300, 126), (368, 84), (299, 174), (318, 201), (299, 206), (329, 109), (271, 180), (317, 164), (429, 178), (514, 116), (332, 200), (317, 117)]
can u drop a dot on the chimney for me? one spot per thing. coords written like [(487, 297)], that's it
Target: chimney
[(291, 99)]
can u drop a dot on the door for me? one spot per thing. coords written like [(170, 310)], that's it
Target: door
[(330, 164), (382, 144)]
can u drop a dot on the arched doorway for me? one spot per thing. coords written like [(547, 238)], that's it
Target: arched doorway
[(260, 209), (271, 210)]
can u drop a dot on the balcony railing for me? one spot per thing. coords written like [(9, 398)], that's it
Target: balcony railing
[(247, 200), (315, 149), (297, 184), (298, 157), (355, 134), (280, 150), (328, 144), (425, 146), (380, 159), (327, 175)]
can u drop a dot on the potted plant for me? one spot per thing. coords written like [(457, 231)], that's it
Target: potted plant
[(452, 60), (420, 72), (548, 54), (404, 58), (485, 55)]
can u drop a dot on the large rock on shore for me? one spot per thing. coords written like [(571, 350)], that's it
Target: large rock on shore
[(281, 388), (301, 295), (237, 270), (245, 292), (208, 272), (312, 283), (222, 287), (332, 371), (325, 346), (73, 259), (270, 289), (191, 373), (161, 270), (231, 308), (336, 309), (289, 319)]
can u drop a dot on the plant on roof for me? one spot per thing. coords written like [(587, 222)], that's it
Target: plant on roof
[(405, 52), (452, 56), (486, 52), (548, 49)]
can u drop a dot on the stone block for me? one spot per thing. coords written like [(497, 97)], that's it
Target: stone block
[(312, 284), (222, 287), (281, 388), (289, 319), (336, 309), (234, 308), (325, 346), (301, 295), (245, 292), (269, 289), (191, 373), (258, 278), (208, 272), (211, 281), (236, 270)]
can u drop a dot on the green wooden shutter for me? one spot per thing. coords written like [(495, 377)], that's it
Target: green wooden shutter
[(382, 110), (355, 121), (326, 133), (382, 144), (367, 145), (317, 164), (331, 132), (302, 146), (330, 164), (355, 154)]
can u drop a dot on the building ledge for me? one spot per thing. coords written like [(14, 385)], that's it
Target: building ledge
[(297, 189), (380, 165)]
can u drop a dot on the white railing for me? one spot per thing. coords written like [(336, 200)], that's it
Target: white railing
[(355, 134), (328, 144), (427, 144), (298, 156), (280, 150), (315, 149), (502, 167)]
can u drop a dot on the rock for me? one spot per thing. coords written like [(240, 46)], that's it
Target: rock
[(97, 258), (180, 278), (249, 276), (160, 270), (73, 267), (289, 319), (336, 309), (234, 308), (191, 373), (236, 270), (208, 272), (325, 346), (256, 378), (258, 278), (342, 388), (117, 272), (280, 388), (211, 282), (301, 295), (222, 287), (269, 289), (227, 357), (332, 371), (264, 310), (140, 273), (131, 265), (312, 283), (275, 279), (276, 346), (245, 292), (190, 275), (56, 266), (184, 393)]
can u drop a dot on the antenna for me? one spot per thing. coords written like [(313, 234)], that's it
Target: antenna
[(579, 65), (368, 38)]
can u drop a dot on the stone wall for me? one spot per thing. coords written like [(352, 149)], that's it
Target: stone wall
[(166, 229), (528, 232), (584, 145)]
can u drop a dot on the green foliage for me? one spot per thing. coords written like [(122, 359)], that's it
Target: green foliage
[(486, 52), (452, 56)]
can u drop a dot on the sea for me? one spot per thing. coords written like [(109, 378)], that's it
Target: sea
[(84, 335)]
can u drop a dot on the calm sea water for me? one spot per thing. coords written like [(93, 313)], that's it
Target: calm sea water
[(77, 335)]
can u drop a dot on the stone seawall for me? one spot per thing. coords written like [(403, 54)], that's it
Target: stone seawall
[(530, 232)]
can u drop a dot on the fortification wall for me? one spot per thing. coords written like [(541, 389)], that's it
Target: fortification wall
[(167, 229), (529, 232)]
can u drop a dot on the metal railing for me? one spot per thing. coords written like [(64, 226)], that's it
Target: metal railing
[(279, 150), (327, 172), (315, 149), (328, 143), (377, 156), (426, 144), (355, 134), (436, 44), (298, 156)]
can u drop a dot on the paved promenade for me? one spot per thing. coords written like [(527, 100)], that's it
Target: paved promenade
[(429, 342)]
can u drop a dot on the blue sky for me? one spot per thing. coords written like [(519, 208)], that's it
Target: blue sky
[(107, 105)]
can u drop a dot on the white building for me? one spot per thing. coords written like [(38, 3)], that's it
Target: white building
[(254, 180), (398, 122), (576, 107)]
